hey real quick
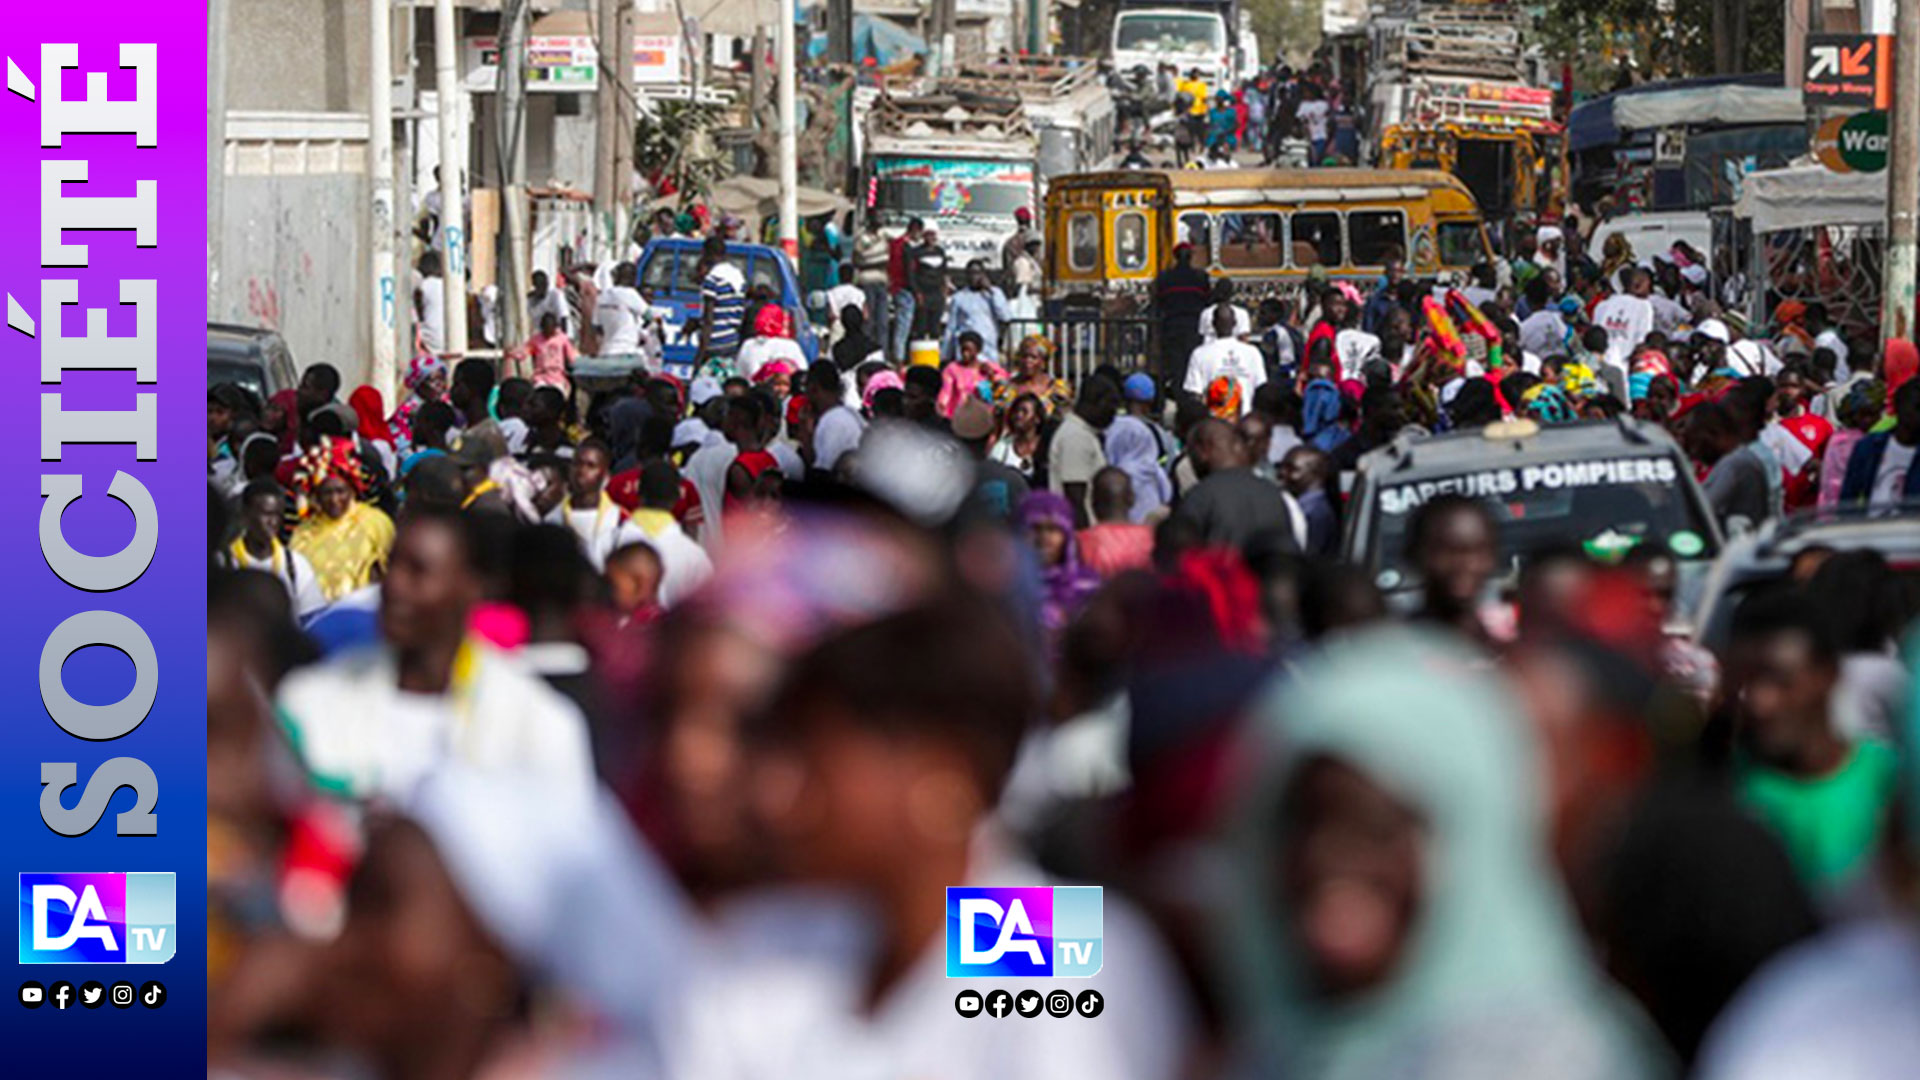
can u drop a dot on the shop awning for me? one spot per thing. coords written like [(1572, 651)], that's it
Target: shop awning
[(1803, 196)]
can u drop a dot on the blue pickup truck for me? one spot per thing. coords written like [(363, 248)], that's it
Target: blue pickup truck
[(666, 276)]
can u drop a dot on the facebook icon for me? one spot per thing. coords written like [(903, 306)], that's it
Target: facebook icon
[(1023, 932)]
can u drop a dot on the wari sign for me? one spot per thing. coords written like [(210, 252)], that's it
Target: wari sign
[(1849, 69), (1863, 142), (1855, 142)]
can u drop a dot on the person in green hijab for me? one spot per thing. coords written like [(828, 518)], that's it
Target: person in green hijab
[(1398, 915)]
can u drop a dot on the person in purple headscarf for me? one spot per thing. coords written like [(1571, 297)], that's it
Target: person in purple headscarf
[(1065, 583)]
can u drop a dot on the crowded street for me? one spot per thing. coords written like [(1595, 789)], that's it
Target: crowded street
[(1422, 519)]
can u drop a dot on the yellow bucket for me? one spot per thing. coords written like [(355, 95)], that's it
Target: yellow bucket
[(924, 353)]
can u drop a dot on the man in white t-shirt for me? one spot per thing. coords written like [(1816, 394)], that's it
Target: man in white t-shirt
[(1627, 317), (430, 305), (1826, 336), (1227, 356), (843, 296), (618, 315), (684, 564), (1354, 347), (837, 431), (1223, 298), (1313, 115), (546, 298)]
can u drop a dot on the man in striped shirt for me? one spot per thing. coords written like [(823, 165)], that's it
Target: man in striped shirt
[(723, 304)]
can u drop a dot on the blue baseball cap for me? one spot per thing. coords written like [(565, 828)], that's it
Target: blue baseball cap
[(1138, 387)]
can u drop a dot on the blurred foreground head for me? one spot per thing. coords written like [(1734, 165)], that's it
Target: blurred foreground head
[(788, 580), (889, 742), (1399, 910)]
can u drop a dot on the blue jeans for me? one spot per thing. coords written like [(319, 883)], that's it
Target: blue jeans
[(902, 324), (876, 325), (1316, 153)]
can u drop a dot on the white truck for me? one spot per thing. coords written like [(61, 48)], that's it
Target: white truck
[(1190, 37), (964, 171)]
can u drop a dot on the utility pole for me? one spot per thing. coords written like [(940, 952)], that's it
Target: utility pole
[(625, 117), (380, 204), (789, 137), (605, 118), (453, 214), (613, 124), (840, 31), (216, 143), (1903, 185), (406, 152), (941, 40), (511, 96)]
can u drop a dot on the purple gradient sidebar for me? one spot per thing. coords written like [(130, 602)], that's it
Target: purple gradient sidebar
[(168, 600)]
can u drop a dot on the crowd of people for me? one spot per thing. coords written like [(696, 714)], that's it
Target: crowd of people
[(640, 733), (1304, 117)]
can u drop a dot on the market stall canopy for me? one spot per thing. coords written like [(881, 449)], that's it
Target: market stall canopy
[(1735, 99), (1803, 196), (759, 197), (1711, 105), (885, 40)]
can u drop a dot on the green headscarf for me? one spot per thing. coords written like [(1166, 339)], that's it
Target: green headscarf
[(1494, 981)]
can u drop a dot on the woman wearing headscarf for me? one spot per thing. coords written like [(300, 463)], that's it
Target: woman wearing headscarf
[(373, 428), (1033, 374), (282, 417), (344, 538), (1065, 583), (426, 380), (1398, 914), (1132, 448)]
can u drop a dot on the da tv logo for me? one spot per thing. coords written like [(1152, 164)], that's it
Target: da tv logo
[(96, 918), (1036, 932)]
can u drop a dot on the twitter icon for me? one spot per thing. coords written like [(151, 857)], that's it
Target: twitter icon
[(92, 994), (1027, 1003)]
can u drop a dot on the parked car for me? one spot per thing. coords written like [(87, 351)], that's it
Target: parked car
[(1605, 485), (1761, 558), (666, 271), (252, 356)]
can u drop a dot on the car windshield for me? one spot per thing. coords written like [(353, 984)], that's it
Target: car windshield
[(239, 368), (662, 276), (1460, 243), (1171, 33), (1606, 505)]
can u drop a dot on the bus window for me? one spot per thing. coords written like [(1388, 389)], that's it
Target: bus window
[(1316, 239), (1083, 242), (1460, 243), (1250, 241), (1374, 236), (1197, 229), (1130, 241)]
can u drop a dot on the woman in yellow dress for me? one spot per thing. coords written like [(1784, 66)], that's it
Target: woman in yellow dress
[(344, 538)]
